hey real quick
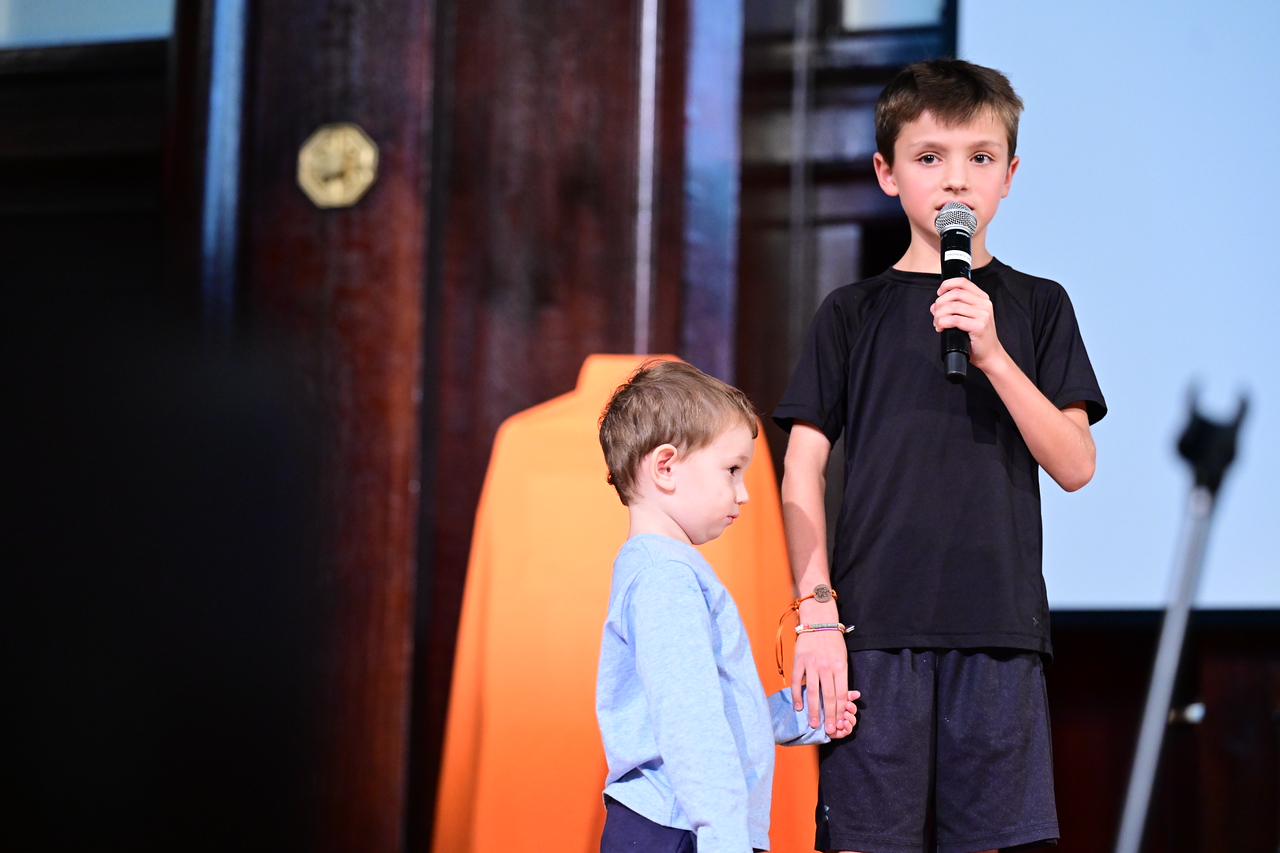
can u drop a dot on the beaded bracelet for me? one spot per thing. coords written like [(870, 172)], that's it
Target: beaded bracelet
[(821, 592), (802, 628)]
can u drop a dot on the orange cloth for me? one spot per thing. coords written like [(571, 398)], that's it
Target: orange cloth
[(523, 766)]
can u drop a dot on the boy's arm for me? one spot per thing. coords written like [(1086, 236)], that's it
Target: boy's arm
[(1059, 439), (821, 657)]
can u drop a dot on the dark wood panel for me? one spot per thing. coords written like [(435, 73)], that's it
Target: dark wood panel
[(1239, 744), (1218, 785), (340, 293), (537, 271), (669, 200), (1097, 684)]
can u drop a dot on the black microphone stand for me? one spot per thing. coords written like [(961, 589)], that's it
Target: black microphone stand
[(1209, 448)]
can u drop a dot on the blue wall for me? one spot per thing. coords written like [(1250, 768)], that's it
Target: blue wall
[(1152, 131)]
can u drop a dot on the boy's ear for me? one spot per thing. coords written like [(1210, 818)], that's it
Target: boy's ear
[(661, 465), (884, 174), (1008, 178)]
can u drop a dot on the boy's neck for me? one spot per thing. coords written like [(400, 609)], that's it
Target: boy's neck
[(924, 255), (644, 518)]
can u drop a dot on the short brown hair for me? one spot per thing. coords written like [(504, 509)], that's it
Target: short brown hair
[(952, 91), (667, 402)]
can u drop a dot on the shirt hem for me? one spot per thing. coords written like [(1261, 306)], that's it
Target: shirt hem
[(640, 808), (1094, 405), (977, 640)]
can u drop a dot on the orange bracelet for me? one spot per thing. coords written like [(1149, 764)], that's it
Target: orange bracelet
[(821, 592)]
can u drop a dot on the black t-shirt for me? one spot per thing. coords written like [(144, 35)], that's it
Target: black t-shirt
[(938, 541)]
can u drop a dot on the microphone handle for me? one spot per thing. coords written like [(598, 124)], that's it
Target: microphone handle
[(956, 260)]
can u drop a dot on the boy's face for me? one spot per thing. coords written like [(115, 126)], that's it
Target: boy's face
[(934, 164), (709, 485)]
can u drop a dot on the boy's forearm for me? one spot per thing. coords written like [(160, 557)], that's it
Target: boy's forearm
[(804, 516), (1059, 439), (806, 528)]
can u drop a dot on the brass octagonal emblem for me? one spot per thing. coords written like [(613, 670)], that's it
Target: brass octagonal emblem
[(337, 165)]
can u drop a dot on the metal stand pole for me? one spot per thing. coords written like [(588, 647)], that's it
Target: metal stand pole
[(1168, 654), (1210, 448)]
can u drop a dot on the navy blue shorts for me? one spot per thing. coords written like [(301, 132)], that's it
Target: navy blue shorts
[(627, 832), (949, 743)]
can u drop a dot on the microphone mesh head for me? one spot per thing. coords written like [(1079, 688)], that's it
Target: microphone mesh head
[(955, 216)]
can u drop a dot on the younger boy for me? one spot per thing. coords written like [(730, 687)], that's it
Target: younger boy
[(677, 443), (936, 556)]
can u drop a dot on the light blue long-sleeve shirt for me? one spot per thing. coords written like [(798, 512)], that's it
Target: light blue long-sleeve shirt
[(687, 730)]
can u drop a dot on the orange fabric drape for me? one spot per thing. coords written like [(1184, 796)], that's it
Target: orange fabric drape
[(523, 765)]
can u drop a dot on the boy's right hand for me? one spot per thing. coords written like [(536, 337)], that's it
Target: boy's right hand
[(822, 663)]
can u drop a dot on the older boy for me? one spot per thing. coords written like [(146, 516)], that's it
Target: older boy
[(937, 547), (677, 443)]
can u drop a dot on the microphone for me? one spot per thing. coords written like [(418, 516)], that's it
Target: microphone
[(955, 224)]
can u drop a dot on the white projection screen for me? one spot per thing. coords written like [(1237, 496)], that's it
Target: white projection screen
[(1150, 187)]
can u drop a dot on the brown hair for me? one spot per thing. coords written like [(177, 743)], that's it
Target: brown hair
[(666, 402), (952, 91)]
